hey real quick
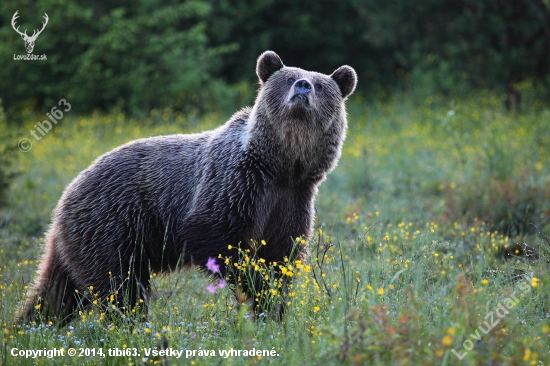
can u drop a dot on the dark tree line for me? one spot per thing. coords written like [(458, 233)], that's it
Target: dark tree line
[(199, 54)]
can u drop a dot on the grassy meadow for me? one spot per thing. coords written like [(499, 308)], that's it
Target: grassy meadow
[(430, 246)]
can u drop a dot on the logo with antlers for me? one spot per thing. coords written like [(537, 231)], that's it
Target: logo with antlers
[(29, 40)]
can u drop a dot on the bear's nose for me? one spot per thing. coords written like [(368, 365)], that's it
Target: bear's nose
[(302, 86)]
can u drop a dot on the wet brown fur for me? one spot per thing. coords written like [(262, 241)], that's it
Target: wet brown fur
[(159, 203)]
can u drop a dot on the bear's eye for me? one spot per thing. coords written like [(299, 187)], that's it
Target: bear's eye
[(318, 87), (290, 81)]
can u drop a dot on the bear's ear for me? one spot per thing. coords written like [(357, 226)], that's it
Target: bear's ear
[(267, 64), (346, 78)]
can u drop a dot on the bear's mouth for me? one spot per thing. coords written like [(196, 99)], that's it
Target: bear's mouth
[(300, 100)]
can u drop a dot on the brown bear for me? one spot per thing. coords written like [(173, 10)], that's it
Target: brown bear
[(159, 203)]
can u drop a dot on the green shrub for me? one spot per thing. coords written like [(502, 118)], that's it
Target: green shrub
[(139, 57), (512, 207), (7, 156)]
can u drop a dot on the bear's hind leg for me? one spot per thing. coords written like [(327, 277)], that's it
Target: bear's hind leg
[(54, 296)]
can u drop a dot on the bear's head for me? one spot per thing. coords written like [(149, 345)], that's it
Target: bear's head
[(302, 99)]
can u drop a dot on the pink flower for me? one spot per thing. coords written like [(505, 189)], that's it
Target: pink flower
[(211, 288), (212, 266)]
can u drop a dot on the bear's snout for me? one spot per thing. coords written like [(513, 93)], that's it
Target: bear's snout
[(302, 86), (301, 94)]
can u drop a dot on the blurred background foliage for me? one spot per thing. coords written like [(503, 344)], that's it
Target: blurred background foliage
[(199, 55), (7, 156)]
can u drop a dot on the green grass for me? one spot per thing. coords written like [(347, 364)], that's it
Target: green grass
[(433, 219)]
